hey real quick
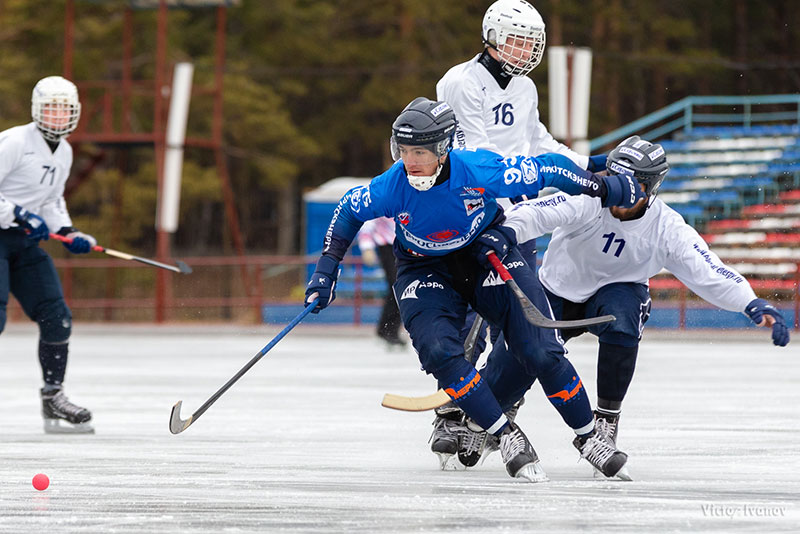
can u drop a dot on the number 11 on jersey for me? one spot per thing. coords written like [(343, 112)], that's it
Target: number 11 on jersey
[(610, 240)]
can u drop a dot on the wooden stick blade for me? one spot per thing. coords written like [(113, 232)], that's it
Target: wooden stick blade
[(176, 424), (415, 404)]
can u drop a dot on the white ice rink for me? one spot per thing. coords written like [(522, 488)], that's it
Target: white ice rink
[(301, 443)]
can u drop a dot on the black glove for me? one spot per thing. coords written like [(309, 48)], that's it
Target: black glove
[(323, 283), (620, 190), (758, 308), (81, 243), (32, 223), (497, 239), (597, 163)]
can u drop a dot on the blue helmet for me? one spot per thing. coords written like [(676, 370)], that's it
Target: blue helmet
[(646, 161)]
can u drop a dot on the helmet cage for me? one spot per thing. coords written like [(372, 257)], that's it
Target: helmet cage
[(55, 107), (516, 30)]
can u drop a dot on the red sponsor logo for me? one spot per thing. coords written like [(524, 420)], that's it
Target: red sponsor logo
[(442, 235), (404, 218)]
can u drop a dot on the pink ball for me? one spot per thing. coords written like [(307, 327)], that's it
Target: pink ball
[(41, 482)]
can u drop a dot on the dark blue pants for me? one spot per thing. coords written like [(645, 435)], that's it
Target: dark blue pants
[(27, 272), (433, 295), (628, 302)]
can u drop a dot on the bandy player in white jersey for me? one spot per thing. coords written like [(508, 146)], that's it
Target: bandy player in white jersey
[(35, 162), (494, 99), (599, 262), (497, 108)]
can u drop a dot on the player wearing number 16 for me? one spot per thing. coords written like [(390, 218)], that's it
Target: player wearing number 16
[(444, 205), (35, 162)]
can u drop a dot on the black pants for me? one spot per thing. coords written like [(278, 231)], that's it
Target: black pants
[(389, 322)]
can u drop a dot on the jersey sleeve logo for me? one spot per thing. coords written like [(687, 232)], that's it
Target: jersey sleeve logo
[(473, 204), (404, 218)]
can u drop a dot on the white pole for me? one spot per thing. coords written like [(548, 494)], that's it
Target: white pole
[(557, 81), (173, 156), (579, 96)]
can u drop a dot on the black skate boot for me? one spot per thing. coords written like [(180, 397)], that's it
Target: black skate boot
[(473, 443), (476, 444), (601, 452), (63, 417), (607, 422), (518, 455), (447, 429)]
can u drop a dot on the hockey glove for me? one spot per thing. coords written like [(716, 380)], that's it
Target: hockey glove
[(33, 225), (757, 309), (81, 243), (323, 283), (597, 163), (620, 190), (498, 239)]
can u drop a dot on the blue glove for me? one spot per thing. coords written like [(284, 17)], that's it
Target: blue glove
[(81, 243), (323, 283), (498, 239), (758, 308), (597, 163), (621, 190), (32, 224)]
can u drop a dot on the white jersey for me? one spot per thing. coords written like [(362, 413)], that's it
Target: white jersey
[(505, 121), (591, 248), (33, 176)]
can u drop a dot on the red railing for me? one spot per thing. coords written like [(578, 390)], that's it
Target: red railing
[(216, 286)]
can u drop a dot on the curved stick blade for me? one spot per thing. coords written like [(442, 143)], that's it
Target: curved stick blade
[(415, 404), (185, 269), (176, 424)]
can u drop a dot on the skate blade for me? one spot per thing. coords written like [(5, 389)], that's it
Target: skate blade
[(533, 472), (622, 474), (59, 426), (447, 462)]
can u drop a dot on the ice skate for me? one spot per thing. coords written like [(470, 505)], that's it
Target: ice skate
[(608, 424), (599, 451), (476, 444), (63, 417), (447, 428), (518, 455)]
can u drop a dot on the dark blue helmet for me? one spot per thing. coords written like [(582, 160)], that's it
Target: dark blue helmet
[(646, 161), (426, 123)]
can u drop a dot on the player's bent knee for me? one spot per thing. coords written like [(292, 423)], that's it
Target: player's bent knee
[(55, 324)]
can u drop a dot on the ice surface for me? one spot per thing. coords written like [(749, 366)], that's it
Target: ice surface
[(301, 443)]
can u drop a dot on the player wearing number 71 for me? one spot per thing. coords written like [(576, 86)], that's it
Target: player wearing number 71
[(599, 262), (35, 161)]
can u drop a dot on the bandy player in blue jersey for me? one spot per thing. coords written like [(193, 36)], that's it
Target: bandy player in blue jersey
[(447, 221)]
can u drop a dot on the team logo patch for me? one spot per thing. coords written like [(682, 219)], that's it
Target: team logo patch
[(442, 235), (410, 292), (404, 218), (569, 392), (529, 172), (472, 205)]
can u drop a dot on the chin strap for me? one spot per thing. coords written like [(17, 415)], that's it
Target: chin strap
[(423, 183)]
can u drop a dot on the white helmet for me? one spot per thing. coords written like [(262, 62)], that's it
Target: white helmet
[(516, 30), (55, 107)]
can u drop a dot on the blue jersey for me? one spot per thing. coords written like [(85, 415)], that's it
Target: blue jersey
[(448, 216)]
